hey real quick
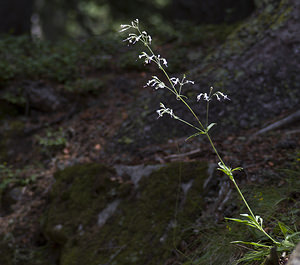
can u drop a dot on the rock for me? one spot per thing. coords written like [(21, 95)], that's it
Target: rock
[(34, 94), (107, 212), (136, 172), (272, 259), (97, 218), (9, 198), (43, 97), (295, 256), (16, 193)]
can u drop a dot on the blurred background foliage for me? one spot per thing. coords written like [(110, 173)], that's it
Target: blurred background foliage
[(61, 19)]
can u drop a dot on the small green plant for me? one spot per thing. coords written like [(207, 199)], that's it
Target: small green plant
[(175, 86), (10, 176), (52, 141)]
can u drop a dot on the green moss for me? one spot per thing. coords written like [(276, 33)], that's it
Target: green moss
[(80, 192), (272, 17), (141, 229)]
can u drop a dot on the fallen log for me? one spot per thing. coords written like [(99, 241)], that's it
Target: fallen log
[(294, 117)]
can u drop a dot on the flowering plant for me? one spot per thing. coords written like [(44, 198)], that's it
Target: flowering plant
[(175, 86)]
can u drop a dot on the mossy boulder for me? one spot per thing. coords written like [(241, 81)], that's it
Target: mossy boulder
[(97, 218), (256, 67)]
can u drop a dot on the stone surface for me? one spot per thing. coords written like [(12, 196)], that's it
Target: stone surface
[(97, 217), (295, 256)]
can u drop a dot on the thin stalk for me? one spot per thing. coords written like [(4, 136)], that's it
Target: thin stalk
[(182, 100), (207, 108), (189, 124), (215, 149), (253, 216)]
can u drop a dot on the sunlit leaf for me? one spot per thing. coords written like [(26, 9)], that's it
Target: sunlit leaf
[(210, 126)]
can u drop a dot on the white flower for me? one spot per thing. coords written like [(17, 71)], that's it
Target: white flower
[(176, 81), (156, 83), (133, 38), (163, 60), (219, 94), (134, 24), (146, 38), (164, 110), (124, 27), (204, 95), (188, 81), (148, 58)]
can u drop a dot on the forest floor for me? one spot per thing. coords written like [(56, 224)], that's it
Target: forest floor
[(116, 123), (89, 136)]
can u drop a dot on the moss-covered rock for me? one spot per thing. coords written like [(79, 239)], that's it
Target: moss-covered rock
[(98, 220), (255, 66)]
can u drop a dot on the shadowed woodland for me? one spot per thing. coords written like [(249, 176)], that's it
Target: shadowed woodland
[(90, 175)]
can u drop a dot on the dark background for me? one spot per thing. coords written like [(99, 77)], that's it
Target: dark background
[(58, 19)]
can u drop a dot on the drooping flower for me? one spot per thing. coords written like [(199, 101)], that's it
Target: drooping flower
[(156, 83), (161, 60), (219, 95), (148, 58), (165, 110), (205, 97), (134, 24), (183, 82)]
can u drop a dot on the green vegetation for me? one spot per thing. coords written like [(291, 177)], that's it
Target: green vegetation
[(52, 141), (278, 203), (21, 57), (266, 241), (11, 177)]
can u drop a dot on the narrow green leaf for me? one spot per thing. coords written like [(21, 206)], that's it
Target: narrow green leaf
[(293, 235), (284, 229), (194, 135), (251, 243), (246, 222), (210, 126), (248, 216), (237, 168)]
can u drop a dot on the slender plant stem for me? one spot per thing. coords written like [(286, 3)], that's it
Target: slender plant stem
[(189, 124), (215, 149), (207, 108), (202, 130)]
